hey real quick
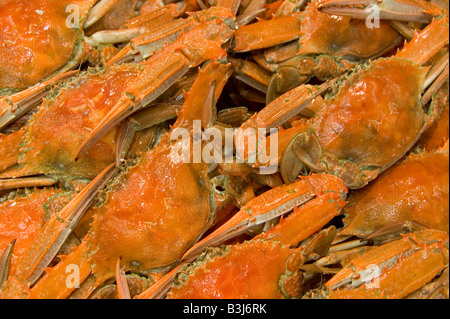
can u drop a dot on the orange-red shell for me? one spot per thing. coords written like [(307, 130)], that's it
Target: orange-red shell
[(36, 39), (251, 270), (63, 122), (22, 217), (341, 36), (416, 189), (376, 116)]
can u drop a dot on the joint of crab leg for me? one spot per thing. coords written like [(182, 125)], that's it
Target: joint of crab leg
[(388, 9), (200, 103), (141, 120), (251, 74), (339, 256)]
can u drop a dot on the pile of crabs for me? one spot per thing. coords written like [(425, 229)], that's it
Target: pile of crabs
[(353, 94)]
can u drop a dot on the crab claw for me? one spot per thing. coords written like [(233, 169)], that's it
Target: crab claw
[(272, 204), (401, 10), (195, 47)]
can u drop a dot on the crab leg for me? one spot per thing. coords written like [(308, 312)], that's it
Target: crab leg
[(164, 34), (162, 70), (98, 11), (431, 39), (35, 181), (16, 105), (233, 5), (141, 121), (265, 33), (251, 74), (5, 259), (402, 10), (278, 112), (122, 284), (136, 26), (277, 202), (54, 232), (9, 148), (394, 266)]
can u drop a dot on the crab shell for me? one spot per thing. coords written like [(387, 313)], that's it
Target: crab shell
[(36, 40), (22, 215), (415, 189), (148, 219), (438, 132), (66, 118), (340, 36), (372, 120), (262, 265)]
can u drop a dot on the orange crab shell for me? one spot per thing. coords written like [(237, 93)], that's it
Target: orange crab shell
[(416, 189), (372, 121), (142, 223), (36, 40), (63, 122), (341, 36), (22, 217), (224, 273)]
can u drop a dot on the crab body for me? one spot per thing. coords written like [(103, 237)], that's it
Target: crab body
[(22, 215), (63, 121), (216, 274), (365, 128), (420, 180), (37, 42)]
